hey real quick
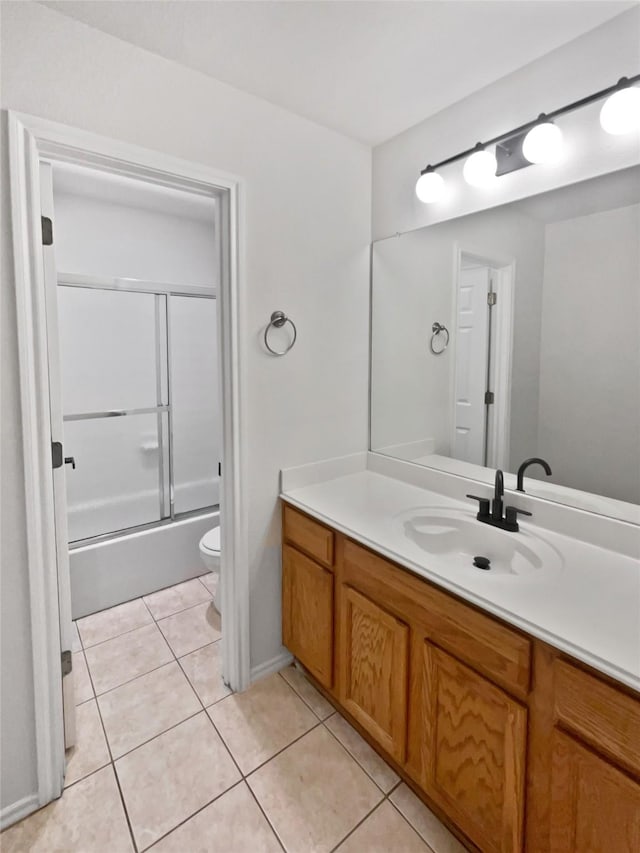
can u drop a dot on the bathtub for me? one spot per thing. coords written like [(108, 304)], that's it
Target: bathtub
[(124, 567)]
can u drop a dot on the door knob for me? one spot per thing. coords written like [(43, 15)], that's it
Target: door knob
[(70, 460)]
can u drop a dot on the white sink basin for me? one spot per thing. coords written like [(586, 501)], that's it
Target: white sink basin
[(456, 537)]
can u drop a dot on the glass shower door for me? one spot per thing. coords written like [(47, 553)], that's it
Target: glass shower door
[(116, 408)]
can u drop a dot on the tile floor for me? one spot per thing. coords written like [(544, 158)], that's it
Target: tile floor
[(168, 759)]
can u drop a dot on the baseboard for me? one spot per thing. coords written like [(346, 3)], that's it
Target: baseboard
[(16, 811), (270, 666)]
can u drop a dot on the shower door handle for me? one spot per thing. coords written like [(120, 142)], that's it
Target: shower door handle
[(70, 460)]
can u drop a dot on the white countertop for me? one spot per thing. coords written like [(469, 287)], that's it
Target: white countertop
[(589, 607)]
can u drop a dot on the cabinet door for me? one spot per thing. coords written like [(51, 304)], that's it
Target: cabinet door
[(472, 746), (307, 613), (373, 662), (595, 808)]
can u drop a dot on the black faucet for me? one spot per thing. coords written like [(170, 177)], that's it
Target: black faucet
[(490, 512), (498, 495), (535, 460)]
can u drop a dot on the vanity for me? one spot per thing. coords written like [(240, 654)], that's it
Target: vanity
[(467, 592), (514, 743)]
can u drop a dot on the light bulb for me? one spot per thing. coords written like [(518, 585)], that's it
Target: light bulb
[(543, 143), (620, 113), (430, 186), (480, 168)]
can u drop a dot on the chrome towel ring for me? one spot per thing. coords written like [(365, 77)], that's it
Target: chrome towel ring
[(437, 328), (277, 321)]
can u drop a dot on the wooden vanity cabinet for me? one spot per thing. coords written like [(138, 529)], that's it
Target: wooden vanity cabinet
[(472, 737), (515, 745)]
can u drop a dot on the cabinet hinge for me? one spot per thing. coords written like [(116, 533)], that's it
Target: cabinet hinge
[(489, 398), (47, 231), (67, 663), (492, 298)]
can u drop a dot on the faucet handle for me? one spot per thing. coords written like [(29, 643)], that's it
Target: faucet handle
[(483, 504), (511, 514)]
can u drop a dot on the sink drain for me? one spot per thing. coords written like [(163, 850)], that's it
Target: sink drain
[(482, 563)]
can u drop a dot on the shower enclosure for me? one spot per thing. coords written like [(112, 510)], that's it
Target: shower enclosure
[(140, 399)]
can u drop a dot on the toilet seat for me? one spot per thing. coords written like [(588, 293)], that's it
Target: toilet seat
[(211, 541)]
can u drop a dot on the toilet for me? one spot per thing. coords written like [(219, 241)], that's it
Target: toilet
[(210, 553)]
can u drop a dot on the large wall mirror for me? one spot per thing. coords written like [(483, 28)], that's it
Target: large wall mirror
[(515, 332)]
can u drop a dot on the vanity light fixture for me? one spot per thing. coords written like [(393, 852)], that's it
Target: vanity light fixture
[(536, 142), (543, 143), (430, 186), (620, 113), (480, 168)]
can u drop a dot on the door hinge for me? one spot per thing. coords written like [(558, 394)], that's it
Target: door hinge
[(492, 298), (47, 231), (489, 398), (67, 663), (56, 454)]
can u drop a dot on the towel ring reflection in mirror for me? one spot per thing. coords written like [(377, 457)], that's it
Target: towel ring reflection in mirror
[(438, 349), (277, 321)]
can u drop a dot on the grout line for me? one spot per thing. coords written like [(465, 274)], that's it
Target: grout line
[(357, 761), (302, 699), (115, 636), (357, 826), (429, 849), (112, 763), (181, 610), (187, 819)]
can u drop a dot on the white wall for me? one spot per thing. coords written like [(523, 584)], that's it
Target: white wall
[(590, 408), (589, 63), (307, 230), (101, 238), (413, 286)]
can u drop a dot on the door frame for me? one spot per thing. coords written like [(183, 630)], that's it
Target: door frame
[(31, 139), (498, 445)]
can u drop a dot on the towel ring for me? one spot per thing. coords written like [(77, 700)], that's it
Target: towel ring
[(278, 320), (436, 329)]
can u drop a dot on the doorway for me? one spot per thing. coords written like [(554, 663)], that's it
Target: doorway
[(481, 378), (34, 144)]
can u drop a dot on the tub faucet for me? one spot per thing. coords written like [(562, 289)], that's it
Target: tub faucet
[(535, 460)]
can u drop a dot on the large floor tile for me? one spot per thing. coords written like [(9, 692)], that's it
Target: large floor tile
[(88, 818), (382, 832), (262, 721), (314, 793), (82, 688), (191, 629), (119, 660), (176, 598), (204, 670), (423, 820), (231, 824), (366, 757), (113, 622), (90, 750), (168, 779), (303, 687), (147, 706), (210, 581)]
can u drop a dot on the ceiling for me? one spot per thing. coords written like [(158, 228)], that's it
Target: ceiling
[(366, 69)]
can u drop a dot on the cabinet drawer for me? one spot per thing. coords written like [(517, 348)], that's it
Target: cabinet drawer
[(307, 613), (309, 536), (487, 645), (604, 717)]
